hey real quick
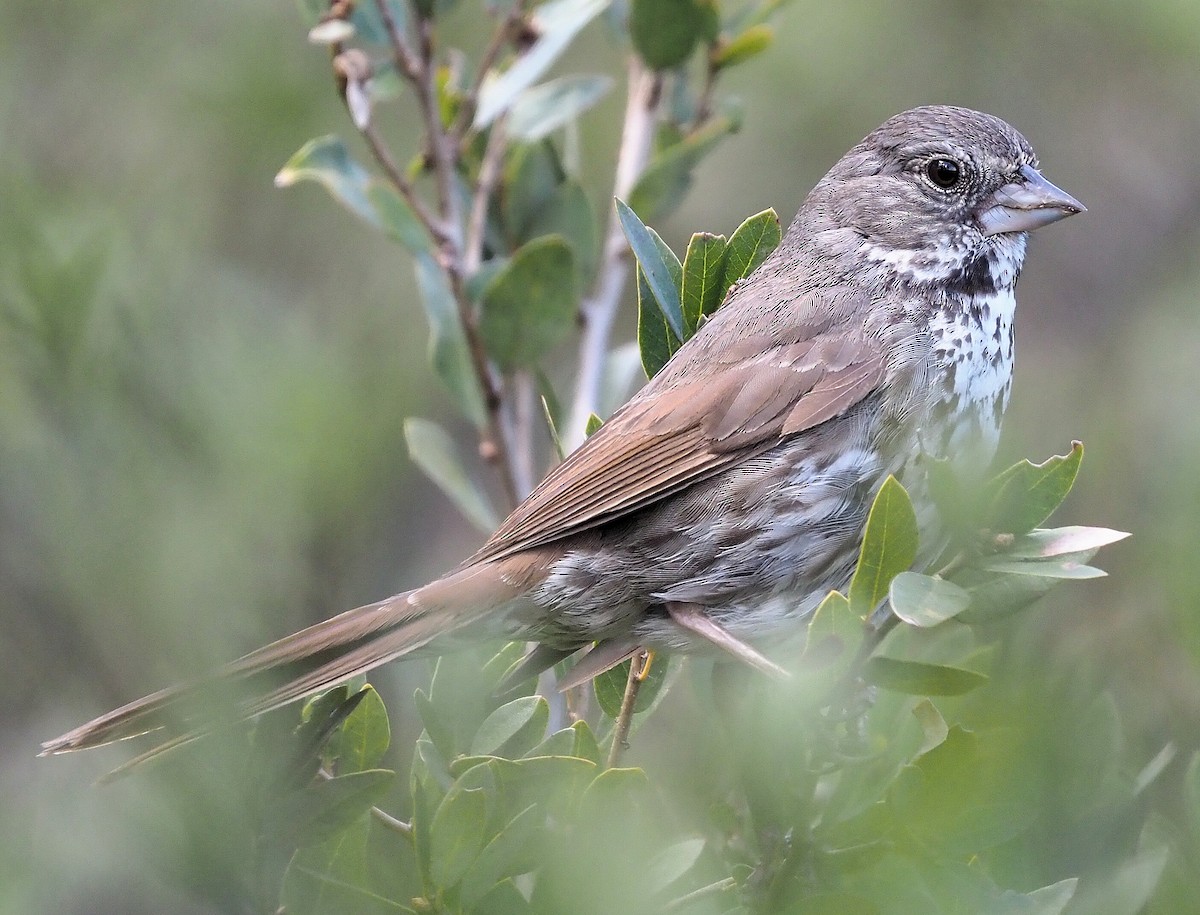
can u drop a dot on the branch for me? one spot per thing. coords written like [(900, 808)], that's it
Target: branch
[(639, 667), (500, 37), (599, 310)]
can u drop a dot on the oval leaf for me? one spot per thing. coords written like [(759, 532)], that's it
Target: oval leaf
[(667, 178), (327, 161), (549, 106), (432, 450), (513, 728), (703, 270), (663, 271), (1042, 568), (532, 304), (889, 547), (922, 600), (457, 834), (447, 343), (664, 32), (1027, 494), (916, 679), (327, 807), (555, 23), (364, 737), (673, 862), (751, 243), (1043, 543)]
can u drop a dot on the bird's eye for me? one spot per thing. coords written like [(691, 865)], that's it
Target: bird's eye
[(944, 173)]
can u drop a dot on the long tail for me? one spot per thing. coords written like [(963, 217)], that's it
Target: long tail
[(306, 662)]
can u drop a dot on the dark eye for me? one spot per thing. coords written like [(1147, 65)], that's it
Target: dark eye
[(945, 173)]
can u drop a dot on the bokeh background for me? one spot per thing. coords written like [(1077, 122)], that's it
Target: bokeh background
[(203, 378)]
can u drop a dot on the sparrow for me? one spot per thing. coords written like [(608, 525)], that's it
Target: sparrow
[(716, 508)]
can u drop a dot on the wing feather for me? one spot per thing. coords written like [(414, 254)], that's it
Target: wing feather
[(687, 425)]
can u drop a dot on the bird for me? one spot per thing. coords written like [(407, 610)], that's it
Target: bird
[(716, 508)]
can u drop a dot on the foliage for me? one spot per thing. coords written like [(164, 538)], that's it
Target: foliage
[(873, 781), (889, 776)]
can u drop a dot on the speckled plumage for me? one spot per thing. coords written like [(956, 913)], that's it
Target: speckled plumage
[(733, 488)]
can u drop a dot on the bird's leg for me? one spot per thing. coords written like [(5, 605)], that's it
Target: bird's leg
[(694, 619)]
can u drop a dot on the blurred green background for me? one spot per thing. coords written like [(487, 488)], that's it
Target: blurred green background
[(203, 378)]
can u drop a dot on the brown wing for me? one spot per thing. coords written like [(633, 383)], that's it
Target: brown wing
[(765, 384)]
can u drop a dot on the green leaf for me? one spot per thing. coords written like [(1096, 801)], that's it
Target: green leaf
[(995, 595), (552, 782), (513, 728), (1027, 494), (533, 175), (922, 600), (432, 450), (512, 851), (664, 32), (503, 899), (834, 634), (549, 106), (362, 740), (397, 219), (663, 272), (656, 341), (609, 686), (327, 161), (1124, 890), (333, 877), (586, 745), (593, 425), (917, 679), (751, 243), (532, 304), (967, 794), (1053, 899), (1191, 795), (933, 725), (568, 212), (703, 271), (889, 547), (441, 732), (673, 862), (448, 350), (1046, 543), (555, 23), (457, 834), (741, 48), (1042, 568), (327, 807), (613, 790), (668, 176)]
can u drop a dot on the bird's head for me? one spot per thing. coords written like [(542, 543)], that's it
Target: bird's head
[(939, 194)]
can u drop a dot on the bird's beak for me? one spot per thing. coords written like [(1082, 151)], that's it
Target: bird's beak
[(1026, 204)]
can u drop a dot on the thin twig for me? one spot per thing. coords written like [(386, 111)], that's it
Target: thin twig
[(721, 886), (406, 60), (600, 309), (638, 667), (403, 186), (397, 826), (489, 174), (447, 228), (500, 37)]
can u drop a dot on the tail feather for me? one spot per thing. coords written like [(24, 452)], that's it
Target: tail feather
[(308, 661)]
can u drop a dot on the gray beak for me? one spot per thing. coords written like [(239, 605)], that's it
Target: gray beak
[(1026, 204)]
